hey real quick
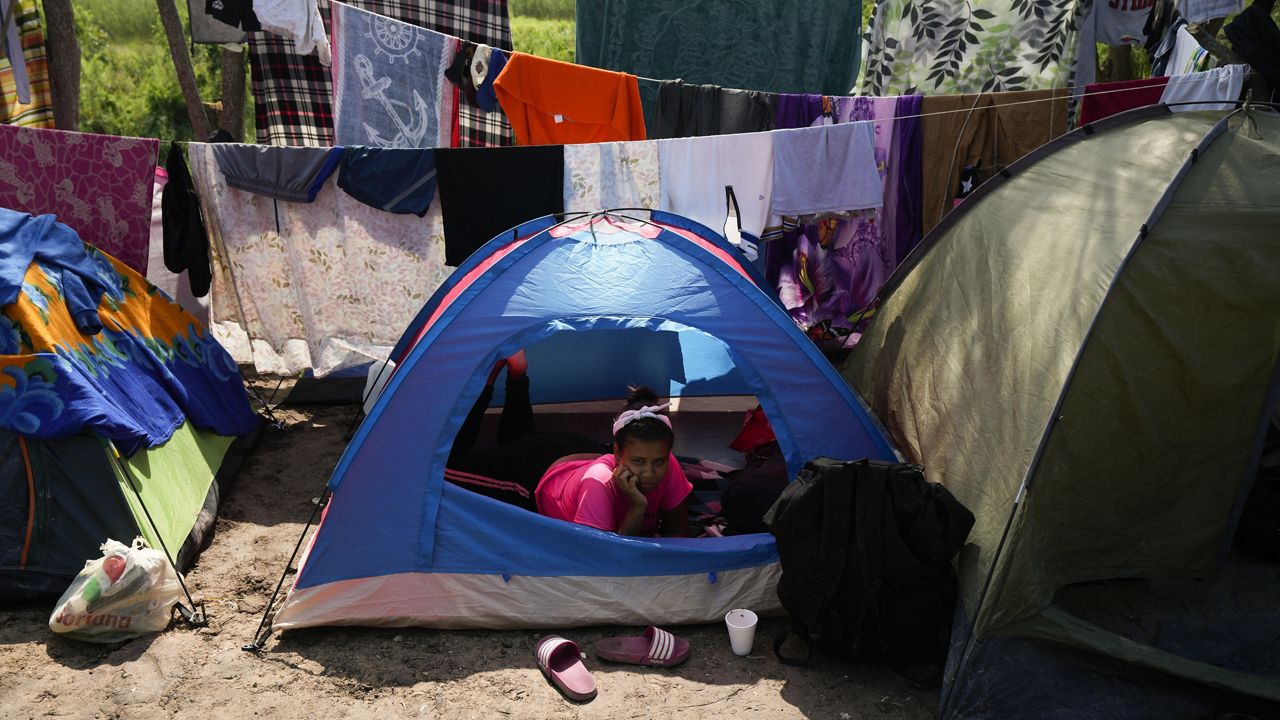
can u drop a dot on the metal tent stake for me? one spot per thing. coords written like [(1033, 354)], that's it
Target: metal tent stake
[(194, 615), (263, 632)]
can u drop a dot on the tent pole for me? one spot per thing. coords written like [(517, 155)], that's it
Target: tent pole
[(172, 23), (259, 636), (194, 615), (266, 406)]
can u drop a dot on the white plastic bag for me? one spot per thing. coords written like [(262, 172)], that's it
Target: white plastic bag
[(127, 592)]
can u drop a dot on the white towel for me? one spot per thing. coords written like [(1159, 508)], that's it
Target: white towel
[(695, 173), (1222, 85), (826, 169)]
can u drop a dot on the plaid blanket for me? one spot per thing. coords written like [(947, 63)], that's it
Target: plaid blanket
[(39, 112), (477, 128), (293, 94)]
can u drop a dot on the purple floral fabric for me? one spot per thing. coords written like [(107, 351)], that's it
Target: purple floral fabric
[(828, 271), (98, 185)]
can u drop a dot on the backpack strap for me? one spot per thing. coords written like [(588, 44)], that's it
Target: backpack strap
[(837, 480), (869, 533), (837, 531), (781, 639)]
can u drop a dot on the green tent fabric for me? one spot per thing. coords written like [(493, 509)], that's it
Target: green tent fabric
[(782, 47), (172, 484), (60, 499), (1086, 353)]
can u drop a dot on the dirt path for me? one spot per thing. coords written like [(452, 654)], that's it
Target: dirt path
[(358, 673)]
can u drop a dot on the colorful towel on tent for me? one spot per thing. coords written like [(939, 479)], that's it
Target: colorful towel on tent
[(99, 185), (293, 94), (149, 369), (918, 46), (38, 112)]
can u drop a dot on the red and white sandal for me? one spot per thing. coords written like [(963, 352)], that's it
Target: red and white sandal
[(561, 661), (657, 648)]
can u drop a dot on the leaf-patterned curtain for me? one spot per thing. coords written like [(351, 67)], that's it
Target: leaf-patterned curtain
[(952, 46)]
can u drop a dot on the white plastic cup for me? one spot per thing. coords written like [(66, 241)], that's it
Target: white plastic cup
[(742, 630)]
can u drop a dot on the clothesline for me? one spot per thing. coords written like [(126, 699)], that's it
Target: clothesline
[(1058, 98)]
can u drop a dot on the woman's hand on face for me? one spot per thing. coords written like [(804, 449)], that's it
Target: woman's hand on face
[(628, 483)]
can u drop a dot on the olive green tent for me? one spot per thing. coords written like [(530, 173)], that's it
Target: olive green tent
[(1085, 353)]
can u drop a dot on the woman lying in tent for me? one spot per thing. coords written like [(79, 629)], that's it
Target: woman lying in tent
[(636, 489)]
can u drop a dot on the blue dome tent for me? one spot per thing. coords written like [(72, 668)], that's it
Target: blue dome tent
[(400, 546)]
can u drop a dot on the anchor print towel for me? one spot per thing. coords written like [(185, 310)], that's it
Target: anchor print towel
[(388, 79)]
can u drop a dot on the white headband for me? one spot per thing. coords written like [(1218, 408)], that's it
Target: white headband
[(647, 411)]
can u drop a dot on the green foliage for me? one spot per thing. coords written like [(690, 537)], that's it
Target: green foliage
[(124, 19), (128, 85), (546, 38), (542, 9)]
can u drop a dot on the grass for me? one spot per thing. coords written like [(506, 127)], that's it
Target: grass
[(542, 9), (128, 85), (126, 20), (547, 38)]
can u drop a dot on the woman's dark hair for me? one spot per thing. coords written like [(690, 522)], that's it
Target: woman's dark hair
[(645, 429)]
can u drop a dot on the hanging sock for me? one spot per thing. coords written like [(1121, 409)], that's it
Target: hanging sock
[(186, 242), (486, 97)]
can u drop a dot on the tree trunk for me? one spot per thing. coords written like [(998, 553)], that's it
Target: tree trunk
[(63, 48), (182, 64), (1119, 65), (231, 118)]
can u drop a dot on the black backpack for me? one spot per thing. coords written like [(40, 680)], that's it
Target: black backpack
[(866, 551), (753, 490)]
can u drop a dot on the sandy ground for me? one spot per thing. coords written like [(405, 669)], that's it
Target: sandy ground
[(357, 673)]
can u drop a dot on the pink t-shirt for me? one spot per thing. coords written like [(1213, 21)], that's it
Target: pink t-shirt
[(582, 491)]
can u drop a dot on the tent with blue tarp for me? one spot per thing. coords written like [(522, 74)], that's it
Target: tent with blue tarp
[(120, 415), (598, 301)]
